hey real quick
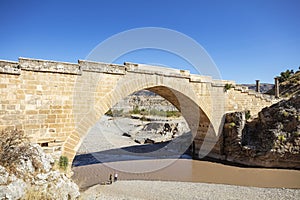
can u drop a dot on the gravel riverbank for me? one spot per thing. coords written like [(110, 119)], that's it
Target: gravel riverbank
[(135, 190)]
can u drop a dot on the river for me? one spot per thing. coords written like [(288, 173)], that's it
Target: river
[(113, 153), (186, 170)]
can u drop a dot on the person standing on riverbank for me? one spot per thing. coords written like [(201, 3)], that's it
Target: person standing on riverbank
[(110, 179), (116, 177)]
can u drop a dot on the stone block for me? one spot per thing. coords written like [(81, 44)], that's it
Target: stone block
[(101, 67), (9, 67), (49, 66)]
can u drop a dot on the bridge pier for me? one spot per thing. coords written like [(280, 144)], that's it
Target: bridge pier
[(276, 87), (257, 89)]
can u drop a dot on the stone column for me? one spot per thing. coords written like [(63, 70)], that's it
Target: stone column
[(276, 87), (257, 86)]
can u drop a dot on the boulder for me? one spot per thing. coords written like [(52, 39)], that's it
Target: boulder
[(14, 190), (126, 135), (34, 174), (45, 161)]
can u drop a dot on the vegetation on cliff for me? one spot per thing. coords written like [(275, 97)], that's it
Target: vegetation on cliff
[(144, 112), (289, 83)]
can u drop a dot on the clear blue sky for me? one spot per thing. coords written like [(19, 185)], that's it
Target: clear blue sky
[(248, 40)]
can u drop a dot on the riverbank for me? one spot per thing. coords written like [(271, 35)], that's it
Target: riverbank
[(184, 190)]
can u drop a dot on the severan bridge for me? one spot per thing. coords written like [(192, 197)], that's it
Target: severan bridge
[(56, 103)]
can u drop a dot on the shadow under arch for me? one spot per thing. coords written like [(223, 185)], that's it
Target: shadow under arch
[(180, 94)]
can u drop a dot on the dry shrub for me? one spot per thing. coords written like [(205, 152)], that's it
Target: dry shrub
[(14, 145), (36, 194)]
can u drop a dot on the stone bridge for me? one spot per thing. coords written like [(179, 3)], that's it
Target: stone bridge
[(56, 103)]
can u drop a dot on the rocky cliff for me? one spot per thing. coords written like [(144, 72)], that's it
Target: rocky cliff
[(271, 140), (144, 100), (32, 174)]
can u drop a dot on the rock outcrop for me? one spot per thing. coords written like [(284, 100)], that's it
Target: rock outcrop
[(159, 131), (144, 100), (271, 140), (34, 176)]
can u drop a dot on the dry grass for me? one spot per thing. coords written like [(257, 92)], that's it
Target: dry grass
[(36, 194)]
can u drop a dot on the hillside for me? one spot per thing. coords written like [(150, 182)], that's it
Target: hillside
[(289, 87), (264, 87)]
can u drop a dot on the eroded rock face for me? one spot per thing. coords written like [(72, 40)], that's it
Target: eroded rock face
[(36, 174), (157, 131), (271, 140)]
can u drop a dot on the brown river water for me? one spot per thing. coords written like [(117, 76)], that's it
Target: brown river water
[(186, 170), (134, 163)]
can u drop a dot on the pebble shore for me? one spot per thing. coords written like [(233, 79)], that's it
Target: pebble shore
[(143, 190)]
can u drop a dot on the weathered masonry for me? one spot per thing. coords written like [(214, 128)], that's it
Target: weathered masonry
[(56, 103)]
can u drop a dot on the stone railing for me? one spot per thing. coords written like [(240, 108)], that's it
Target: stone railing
[(9, 67), (28, 64), (267, 97)]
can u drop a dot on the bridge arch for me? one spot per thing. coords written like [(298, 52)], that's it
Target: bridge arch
[(95, 94)]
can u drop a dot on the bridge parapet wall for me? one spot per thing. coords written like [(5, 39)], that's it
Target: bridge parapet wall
[(244, 99), (9, 67), (49, 66), (101, 67)]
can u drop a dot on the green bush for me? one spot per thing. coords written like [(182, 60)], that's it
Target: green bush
[(155, 112), (285, 75), (247, 115), (109, 113), (281, 138), (114, 113), (227, 87), (285, 113), (173, 113), (135, 110), (231, 125), (63, 162)]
